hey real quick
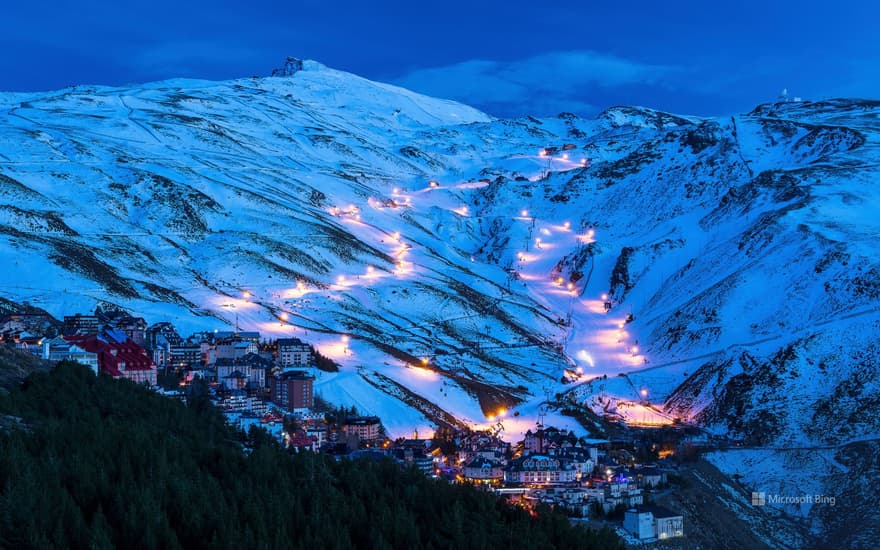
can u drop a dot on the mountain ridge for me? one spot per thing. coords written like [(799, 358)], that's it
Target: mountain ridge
[(312, 193)]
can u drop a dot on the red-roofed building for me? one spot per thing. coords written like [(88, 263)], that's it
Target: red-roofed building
[(118, 356)]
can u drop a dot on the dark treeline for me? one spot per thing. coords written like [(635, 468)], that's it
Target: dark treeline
[(101, 463)]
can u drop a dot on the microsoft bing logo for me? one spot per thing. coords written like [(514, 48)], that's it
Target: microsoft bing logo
[(758, 498)]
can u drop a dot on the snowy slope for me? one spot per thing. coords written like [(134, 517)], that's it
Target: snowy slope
[(744, 248)]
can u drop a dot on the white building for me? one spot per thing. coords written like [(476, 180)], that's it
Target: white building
[(235, 349), (481, 470), (59, 349), (294, 352), (539, 470), (653, 522), (248, 371)]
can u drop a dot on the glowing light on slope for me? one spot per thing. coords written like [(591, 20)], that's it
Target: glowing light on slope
[(595, 306), (233, 304), (638, 414), (584, 356), (298, 291), (427, 374), (336, 350), (588, 237)]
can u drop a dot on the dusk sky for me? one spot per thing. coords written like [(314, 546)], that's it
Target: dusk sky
[(508, 58)]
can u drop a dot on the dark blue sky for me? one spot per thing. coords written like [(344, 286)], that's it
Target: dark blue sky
[(507, 57)]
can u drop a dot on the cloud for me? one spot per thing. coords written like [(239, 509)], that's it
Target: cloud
[(544, 84)]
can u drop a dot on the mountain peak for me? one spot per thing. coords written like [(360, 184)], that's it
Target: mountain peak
[(291, 66)]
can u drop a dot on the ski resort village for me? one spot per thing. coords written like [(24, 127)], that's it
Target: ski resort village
[(276, 385)]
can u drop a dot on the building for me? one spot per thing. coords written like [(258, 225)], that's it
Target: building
[(81, 324), (59, 349), (207, 352), (160, 334), (418, 458), (318, 433), (185, 356), (315, 426), (292, 390), (248, 371), (534, 442), (650, 477), (580, 459), (118, 356), (234, 349), (294, 352), (135, 328), (480, 470), (159, 338), (653, 522), (238, 401), (246, 336), (540, 470), (32, 322), (28, 343), (365, 427)]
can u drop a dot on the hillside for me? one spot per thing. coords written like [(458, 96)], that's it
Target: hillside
[(15, 366), (143, 471)]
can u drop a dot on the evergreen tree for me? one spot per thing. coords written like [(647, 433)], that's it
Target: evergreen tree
[(103, 463)]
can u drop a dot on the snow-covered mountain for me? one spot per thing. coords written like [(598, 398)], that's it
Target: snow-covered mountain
[(297, 205), (455, 268)]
